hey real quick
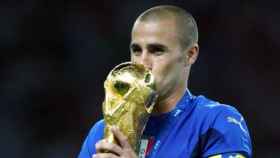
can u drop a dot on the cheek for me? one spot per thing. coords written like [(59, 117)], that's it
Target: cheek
[(166, 64), (133, 58), (165, 78), (162, 70), (167, 70)]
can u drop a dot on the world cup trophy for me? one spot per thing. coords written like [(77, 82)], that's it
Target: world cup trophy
[(130, 97)]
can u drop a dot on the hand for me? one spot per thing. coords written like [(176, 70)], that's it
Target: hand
[(124, 150)]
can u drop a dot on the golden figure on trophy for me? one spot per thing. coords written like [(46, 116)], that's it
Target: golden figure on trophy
[(129, 100)]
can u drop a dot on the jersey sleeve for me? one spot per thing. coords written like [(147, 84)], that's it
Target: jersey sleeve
[(96, 133), (227, 134)]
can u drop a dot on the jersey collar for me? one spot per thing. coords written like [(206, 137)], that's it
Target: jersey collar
[(185, 104)]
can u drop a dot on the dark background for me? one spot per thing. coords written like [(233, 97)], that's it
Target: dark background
[(55, 55)]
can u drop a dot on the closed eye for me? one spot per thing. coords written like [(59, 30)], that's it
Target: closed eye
[(135, 49), (157, 49)]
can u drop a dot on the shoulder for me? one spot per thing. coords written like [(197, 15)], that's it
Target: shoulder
[(95, 134), (97, 128), (206, 105), (218, 116), (209, 110), (223, 128)]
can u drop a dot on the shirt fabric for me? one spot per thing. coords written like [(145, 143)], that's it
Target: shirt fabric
[(196, 127)]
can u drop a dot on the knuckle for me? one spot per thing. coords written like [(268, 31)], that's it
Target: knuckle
[(110, 146), (97, 145), (125, 138)]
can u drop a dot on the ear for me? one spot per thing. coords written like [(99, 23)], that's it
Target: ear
[(192, 54)]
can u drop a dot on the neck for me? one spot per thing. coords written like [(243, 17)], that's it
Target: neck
[(168, 103)]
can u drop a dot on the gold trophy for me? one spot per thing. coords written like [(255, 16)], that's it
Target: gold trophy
[(129, 100)]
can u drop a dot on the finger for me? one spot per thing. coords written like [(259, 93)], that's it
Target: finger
[(104, 145), (122, 139), (104, 155)]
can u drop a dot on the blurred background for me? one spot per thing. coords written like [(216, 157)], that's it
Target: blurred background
[(55, 55)]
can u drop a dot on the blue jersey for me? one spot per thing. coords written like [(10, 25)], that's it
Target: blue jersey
[(196, 127)]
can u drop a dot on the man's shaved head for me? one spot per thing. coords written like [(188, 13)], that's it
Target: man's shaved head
[(186, 25)]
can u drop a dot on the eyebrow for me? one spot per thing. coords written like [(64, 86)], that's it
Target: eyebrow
[(151, 45), (134, 45), (157, 46)]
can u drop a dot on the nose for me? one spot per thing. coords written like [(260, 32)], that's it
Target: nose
[(145, 59)]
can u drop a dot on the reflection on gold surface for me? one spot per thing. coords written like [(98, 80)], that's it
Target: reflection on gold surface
[(129, 100)]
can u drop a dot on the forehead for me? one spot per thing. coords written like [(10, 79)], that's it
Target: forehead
[(154, 31)]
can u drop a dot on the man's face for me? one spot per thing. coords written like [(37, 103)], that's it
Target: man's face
[(155, 45)]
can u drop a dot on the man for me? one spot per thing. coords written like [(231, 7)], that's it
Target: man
[(165, 40)]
